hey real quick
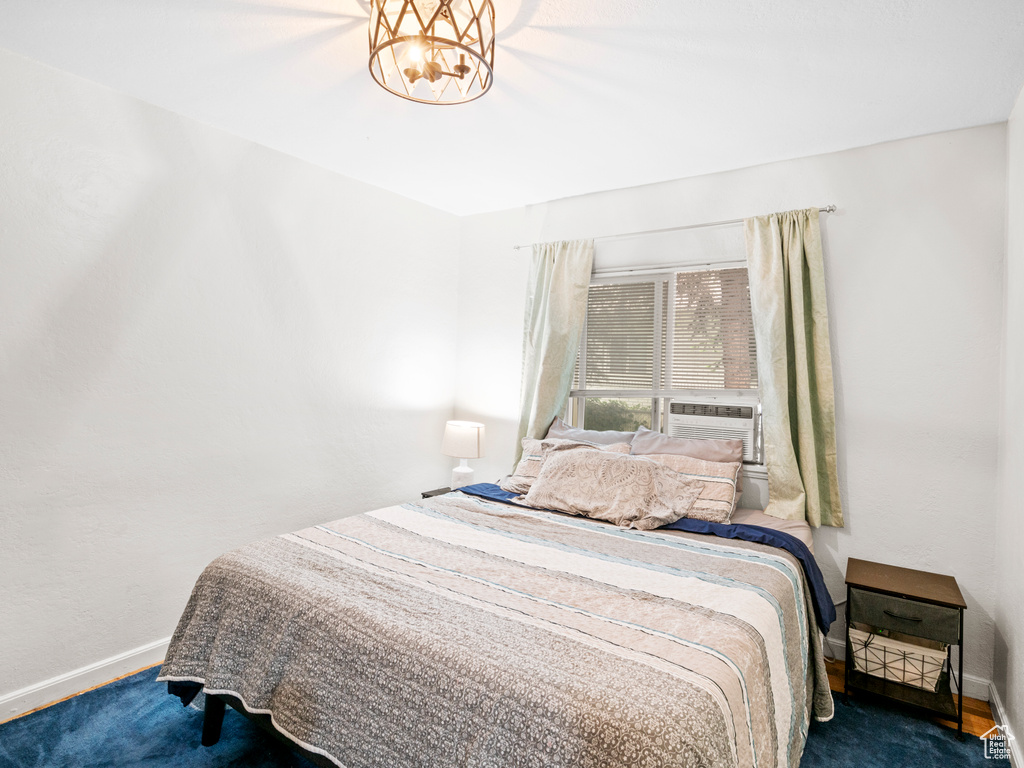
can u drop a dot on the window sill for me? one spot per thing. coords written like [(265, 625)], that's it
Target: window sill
[(755, 471)]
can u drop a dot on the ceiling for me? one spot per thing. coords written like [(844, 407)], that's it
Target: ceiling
[(588, 94)]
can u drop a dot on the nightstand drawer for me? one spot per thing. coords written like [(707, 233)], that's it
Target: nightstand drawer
[(935, 622)]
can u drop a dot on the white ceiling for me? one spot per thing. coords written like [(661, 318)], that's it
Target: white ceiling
[(588, 95)]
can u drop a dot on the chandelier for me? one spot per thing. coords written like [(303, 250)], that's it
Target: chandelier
[(433, 51)]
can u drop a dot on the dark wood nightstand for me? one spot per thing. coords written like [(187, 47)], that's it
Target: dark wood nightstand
[(915, 604), (436, 492)]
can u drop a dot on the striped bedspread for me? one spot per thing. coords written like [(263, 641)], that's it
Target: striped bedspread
[(464, 632)]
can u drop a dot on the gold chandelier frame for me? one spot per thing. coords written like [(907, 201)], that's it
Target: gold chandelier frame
[(433, 51)]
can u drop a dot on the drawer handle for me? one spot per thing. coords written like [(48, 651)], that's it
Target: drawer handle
[(887, 612)]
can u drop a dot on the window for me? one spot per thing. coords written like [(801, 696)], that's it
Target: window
[(648, 340)]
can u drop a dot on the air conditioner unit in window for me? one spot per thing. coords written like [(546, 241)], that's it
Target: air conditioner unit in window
[(716, 419)]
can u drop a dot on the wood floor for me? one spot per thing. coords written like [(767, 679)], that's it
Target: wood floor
[(977, 714), (71, 696)]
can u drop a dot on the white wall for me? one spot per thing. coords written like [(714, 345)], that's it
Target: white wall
[(1008, 532), (203, 342), (913, 266)]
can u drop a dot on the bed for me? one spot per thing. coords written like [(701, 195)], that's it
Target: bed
[(465, 630)]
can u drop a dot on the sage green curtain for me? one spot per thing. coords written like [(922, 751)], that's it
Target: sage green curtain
[(794, 366), (556, 306)]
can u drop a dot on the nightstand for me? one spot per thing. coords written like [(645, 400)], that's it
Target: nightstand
[(907, 605), (436, 492)]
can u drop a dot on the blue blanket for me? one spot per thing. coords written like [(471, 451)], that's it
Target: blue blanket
[(824, 608)]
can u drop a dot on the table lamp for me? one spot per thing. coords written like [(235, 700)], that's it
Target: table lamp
[(463, 440)]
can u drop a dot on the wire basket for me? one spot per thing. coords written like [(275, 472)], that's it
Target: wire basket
[(900, 658)]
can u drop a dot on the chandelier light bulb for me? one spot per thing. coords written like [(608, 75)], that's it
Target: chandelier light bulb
[(433, 51)]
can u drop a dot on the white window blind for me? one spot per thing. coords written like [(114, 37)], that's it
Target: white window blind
[(620, 336), (695, 333), (712, 331)]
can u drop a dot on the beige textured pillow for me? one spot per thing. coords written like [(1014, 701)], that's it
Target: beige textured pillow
[(534, 453), (526, 470), (628, 491), (647, 442), (718, 499)]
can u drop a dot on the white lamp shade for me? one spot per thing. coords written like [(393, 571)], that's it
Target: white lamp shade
[(463, 440)]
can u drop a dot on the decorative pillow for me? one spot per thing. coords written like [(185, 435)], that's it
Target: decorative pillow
[(647, 442), (534, 453), (526, 470), (628, 491), (559, 429), (718, 498)]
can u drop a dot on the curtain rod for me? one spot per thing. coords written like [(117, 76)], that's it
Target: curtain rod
[(826, 209)]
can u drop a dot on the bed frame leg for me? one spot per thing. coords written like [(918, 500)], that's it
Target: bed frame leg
[(213, 717)]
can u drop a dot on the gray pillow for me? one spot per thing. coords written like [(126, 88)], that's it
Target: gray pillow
[(629, 491), (648, 441), (563, 431)]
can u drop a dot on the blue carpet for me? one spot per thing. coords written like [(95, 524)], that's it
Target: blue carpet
[(133, 722), (879, 734)]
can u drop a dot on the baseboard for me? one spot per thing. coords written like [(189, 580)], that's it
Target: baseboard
[(1001, 716), (975, 687), (835, 647), (56, 688)]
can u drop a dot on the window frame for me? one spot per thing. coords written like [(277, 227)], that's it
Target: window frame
[(664, 323)]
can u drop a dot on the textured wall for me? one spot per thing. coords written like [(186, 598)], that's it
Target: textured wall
[(1008, 534), (914, 269), (203, 342)]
